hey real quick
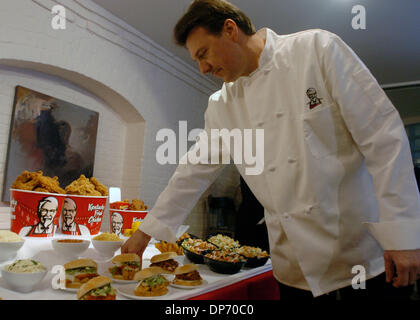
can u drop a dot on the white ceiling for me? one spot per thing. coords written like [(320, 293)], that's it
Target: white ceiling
[(390, 45)]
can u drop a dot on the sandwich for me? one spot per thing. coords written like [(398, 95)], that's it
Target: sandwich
[(165, 261), (80, 271), (125, 266), (187, 275), (151, 282), (98, 288)]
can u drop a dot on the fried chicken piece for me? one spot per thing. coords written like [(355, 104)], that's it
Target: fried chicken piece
[(99, 186), (137, 204), (87, 187), (26, 180), (82, 186), (50, 184), (24, 177), (30, 185), (36, 181)]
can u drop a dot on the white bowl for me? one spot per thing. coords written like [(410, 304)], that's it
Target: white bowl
[(23, 282), (8, 250), (70, 249), (107, 248)]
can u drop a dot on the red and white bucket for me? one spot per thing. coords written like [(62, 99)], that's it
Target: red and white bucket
[(82, 215), (120, 220), (35, 214)]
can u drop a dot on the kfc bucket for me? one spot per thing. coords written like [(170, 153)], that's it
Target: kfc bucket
[(82, 215), (35, 214), (124, 219)]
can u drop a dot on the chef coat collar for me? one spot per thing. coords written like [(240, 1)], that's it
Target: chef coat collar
[(268, 51), (265, 56)]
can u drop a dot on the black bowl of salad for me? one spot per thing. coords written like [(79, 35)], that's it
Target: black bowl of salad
[(226, 262), (195, 249), (185, 236), (223, 241), (255, 257)]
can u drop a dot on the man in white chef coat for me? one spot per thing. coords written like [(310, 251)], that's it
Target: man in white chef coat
[(338, 186)]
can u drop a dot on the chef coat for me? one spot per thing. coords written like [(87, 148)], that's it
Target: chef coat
[(338, 185)]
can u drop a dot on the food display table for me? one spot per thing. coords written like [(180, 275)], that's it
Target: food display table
[(260, 287), (256, 283)]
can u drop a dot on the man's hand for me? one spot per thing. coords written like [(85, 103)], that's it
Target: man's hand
[(402, 267), (137, 243)]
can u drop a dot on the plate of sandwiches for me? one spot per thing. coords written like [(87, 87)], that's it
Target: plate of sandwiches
[(124, 267), (79, 272), (188, 277), (152, 284)]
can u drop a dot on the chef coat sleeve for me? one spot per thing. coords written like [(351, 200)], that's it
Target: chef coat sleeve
[(192, 177), (379, 133)]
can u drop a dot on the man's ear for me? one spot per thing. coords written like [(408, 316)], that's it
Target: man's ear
[(231, 30)]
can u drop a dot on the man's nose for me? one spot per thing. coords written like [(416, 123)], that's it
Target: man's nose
[(204, 67)]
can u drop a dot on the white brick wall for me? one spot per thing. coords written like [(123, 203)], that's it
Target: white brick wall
[(137, 86)]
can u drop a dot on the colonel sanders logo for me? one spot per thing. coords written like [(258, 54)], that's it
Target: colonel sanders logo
[(313, 98), (117, 223), (46, 211), (69, 225)]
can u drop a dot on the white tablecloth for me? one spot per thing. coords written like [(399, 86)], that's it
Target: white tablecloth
[(41, 250)]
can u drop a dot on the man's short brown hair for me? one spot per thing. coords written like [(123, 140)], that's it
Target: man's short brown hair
[(211, 15)]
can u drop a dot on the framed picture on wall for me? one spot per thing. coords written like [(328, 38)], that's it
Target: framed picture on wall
[(51, 135)]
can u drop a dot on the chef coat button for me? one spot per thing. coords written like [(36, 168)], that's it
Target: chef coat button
[(291, 160), (286, 215), (272, 169), (260, 124), (279, 114)]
